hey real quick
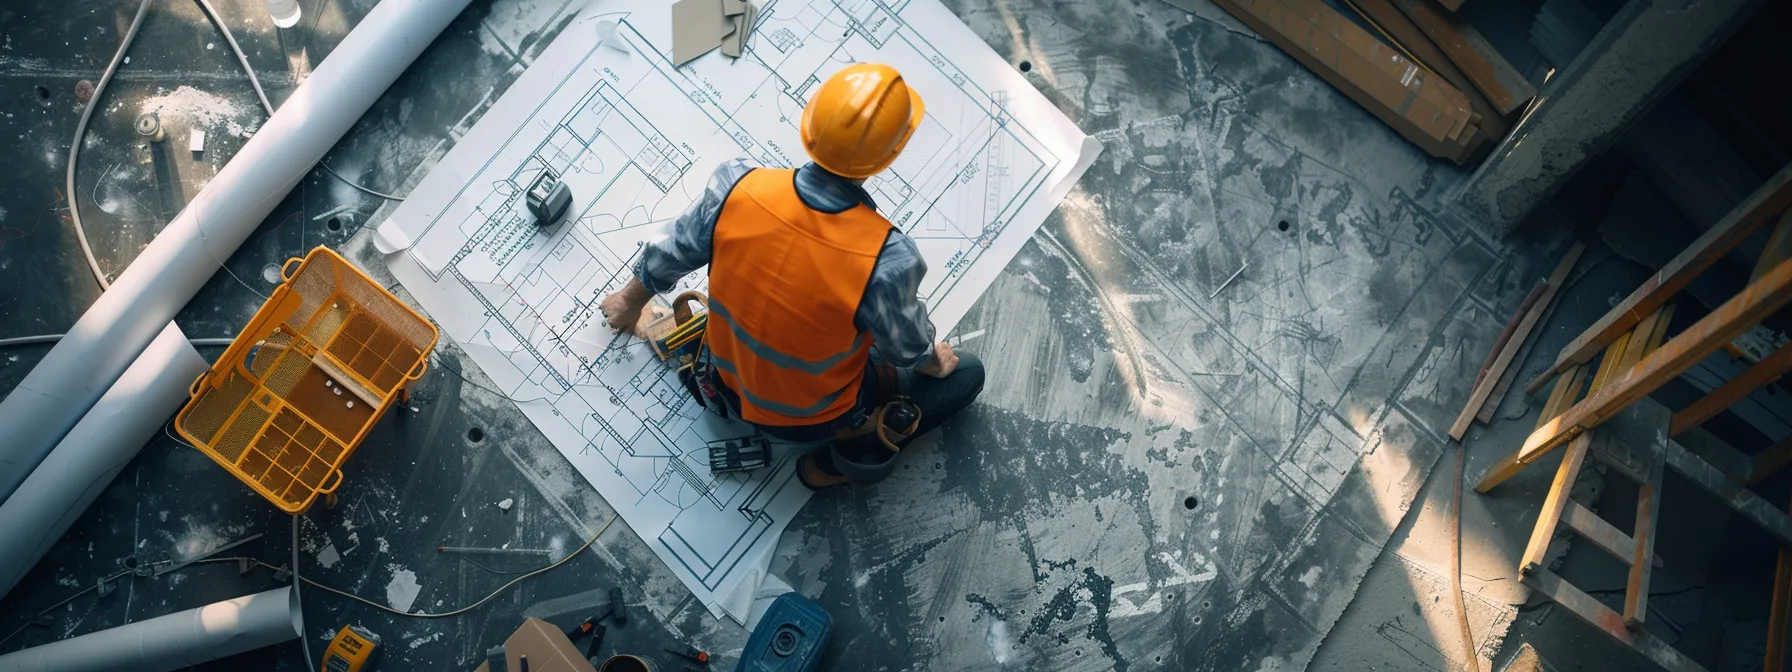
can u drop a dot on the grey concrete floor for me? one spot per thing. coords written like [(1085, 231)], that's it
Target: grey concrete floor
[(1155, 478)]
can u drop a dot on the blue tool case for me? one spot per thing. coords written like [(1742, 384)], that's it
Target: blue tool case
[(790, 637)]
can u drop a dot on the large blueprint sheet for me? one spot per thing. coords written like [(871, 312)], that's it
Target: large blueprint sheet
[(636, 139)]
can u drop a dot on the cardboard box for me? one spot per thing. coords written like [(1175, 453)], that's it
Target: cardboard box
[(546, 646), (1423, 108)]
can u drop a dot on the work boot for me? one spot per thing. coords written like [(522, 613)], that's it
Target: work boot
[(810, 472)]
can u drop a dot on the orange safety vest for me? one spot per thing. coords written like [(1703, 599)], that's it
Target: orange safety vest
[(784, 285)]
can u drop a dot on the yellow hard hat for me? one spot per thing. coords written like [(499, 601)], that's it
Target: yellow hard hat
[(859, 120)]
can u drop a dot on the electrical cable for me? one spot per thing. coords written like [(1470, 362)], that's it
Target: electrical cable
[(64, 601), (469, 381), (176, 438), (333, 173), (1472, 661), (74, 148), (93, 265), (501, 572), (77, 594), (52, 338), (298, 601), (575, 553), (265, 105), (211, 13), (298, 579)]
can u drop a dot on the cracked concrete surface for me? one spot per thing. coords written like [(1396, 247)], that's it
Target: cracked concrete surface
[(1158, 476)]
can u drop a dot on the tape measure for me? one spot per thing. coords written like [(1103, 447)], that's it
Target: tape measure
[(352, 650)]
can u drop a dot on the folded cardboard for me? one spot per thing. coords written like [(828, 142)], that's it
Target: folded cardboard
[(546, 646)]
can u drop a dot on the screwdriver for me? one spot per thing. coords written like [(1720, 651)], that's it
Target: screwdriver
[(692, 654)]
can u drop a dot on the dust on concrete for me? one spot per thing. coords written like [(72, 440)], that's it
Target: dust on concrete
[(188, 107), (1181, 426)]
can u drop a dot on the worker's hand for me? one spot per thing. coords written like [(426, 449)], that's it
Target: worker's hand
[(944, 362), (620, 313), (623, 308)]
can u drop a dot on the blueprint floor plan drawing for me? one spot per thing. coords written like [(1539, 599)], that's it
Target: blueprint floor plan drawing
[(635, 139)]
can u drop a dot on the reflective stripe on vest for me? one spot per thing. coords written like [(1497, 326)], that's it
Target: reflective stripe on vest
[(784, 286)]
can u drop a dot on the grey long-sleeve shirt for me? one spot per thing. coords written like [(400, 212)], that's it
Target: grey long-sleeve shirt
[(890, 310)]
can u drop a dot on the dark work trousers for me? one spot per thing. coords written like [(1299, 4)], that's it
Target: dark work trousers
[(938, 399)]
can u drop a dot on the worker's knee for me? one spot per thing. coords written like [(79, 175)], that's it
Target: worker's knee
[(967, 381)]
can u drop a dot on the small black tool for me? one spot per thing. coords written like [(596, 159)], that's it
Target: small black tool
[(692, 654), (594, 626), (742, 454), (585, 628), (548, 198), (618, 614), (615, 612), (597, 640), (901, 417)]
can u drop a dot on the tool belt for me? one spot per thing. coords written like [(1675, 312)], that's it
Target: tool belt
[(866, 451), (677, 339)]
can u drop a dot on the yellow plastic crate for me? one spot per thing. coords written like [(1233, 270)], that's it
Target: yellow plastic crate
[(298, 389)]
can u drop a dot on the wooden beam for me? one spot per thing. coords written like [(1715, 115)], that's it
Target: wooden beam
[(1567, 390), (1420, 106), (1504, 87), (1710, 333), (1768, 461), (1745, 469), (1603, 534), (1595, 613), (1451, 5), (1485, 415), (1731, 493), (1658, 332), (1557, 501), (1778, 249), (1553, 505), (1636, 591), (1648, 498), (1778, 611), (1499, 342), (1735, 390), (1395, 26), (1771, 198), (1523, 331), (1500, 388)]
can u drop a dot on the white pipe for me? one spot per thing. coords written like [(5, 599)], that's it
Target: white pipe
[(95, 451), (171, 642), (72, 376)]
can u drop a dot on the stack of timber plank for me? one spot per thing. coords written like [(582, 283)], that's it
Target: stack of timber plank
[(1427, 76)]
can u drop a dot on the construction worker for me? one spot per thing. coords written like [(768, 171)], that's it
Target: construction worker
[(814, 323)]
